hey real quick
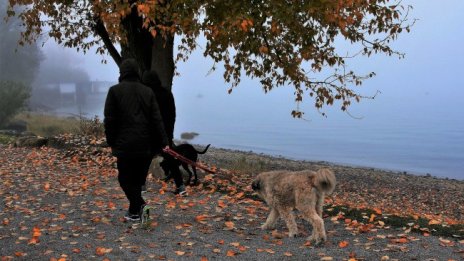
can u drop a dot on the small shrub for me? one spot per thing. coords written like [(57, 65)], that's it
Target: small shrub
[(91, 127), (13, 97)]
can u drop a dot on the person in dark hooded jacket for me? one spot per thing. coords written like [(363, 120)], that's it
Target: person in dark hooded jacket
[(168, 113), (135, 131)]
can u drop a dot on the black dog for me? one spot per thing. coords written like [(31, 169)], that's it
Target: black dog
[(189, 152)]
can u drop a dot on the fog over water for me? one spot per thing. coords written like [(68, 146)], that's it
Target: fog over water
[(414, 125)]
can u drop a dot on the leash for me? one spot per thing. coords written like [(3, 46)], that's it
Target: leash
[(186, 160)]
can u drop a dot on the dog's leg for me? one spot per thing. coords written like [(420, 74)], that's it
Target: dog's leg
[(318, 235), (287, 215), (167, 173), (195, 181), (271, 219), (320, 203), (185, 166)]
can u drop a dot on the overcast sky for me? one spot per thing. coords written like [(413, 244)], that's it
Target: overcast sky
[(432, 67)]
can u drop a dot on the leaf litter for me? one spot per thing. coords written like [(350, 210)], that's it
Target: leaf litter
[(66, 204)]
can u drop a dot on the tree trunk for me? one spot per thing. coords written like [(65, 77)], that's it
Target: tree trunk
[(139, 41), (162, 59)]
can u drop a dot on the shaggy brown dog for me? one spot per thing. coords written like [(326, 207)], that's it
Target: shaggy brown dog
[(303, 190)]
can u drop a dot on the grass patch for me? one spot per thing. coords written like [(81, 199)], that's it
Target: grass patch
[(419, 225), (6, 139), (246, 165), (47, 126)]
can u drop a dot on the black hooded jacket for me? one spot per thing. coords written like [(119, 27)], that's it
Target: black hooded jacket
[(165, 101), (133, 123)]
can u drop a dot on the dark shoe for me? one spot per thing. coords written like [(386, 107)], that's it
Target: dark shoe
[(144, 188), (131, 217), (181, 191)]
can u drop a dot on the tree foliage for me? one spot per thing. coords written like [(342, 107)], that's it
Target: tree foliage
[(13, 98), (279, 42)]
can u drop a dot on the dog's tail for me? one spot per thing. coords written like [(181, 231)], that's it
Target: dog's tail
[(325, 181), (204, 151)]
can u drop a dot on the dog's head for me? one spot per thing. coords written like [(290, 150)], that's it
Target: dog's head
[(256, 184)]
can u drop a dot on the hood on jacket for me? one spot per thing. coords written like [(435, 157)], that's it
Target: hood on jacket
[(151, 79), (129, 69)]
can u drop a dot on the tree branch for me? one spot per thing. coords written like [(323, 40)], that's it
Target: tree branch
[(100, 29)]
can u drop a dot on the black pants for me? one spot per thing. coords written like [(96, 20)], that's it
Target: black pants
[(132, 174)]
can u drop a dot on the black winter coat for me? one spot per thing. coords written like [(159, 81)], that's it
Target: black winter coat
[(133, 123), (165, 101)]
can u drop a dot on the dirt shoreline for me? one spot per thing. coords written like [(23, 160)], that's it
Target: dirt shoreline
[(399, 193)]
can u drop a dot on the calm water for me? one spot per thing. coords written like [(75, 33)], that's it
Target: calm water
[(391, 135), (430, 141)]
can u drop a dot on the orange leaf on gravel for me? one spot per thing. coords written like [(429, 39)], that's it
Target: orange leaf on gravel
[(230, 253), (277, 235), (446, 242), (239, 195), (221, 204), (270, 251), (343, 244), (20, 254), (100, 251), (180, 253), (36, 232), (230, 225), (201, 218), (171, 204), (288, 254), (400, 240)]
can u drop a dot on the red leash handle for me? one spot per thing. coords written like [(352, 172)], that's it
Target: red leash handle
[(186, 160)]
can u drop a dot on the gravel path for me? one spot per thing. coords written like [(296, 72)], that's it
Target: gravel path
[(56, 206)]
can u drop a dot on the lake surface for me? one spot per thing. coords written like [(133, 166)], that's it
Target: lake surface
[(392, 134)]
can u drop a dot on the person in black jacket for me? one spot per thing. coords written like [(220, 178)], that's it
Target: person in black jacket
[(135, 131), (168, 113)]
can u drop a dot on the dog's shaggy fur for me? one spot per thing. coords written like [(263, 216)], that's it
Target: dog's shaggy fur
[(304, 190)]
